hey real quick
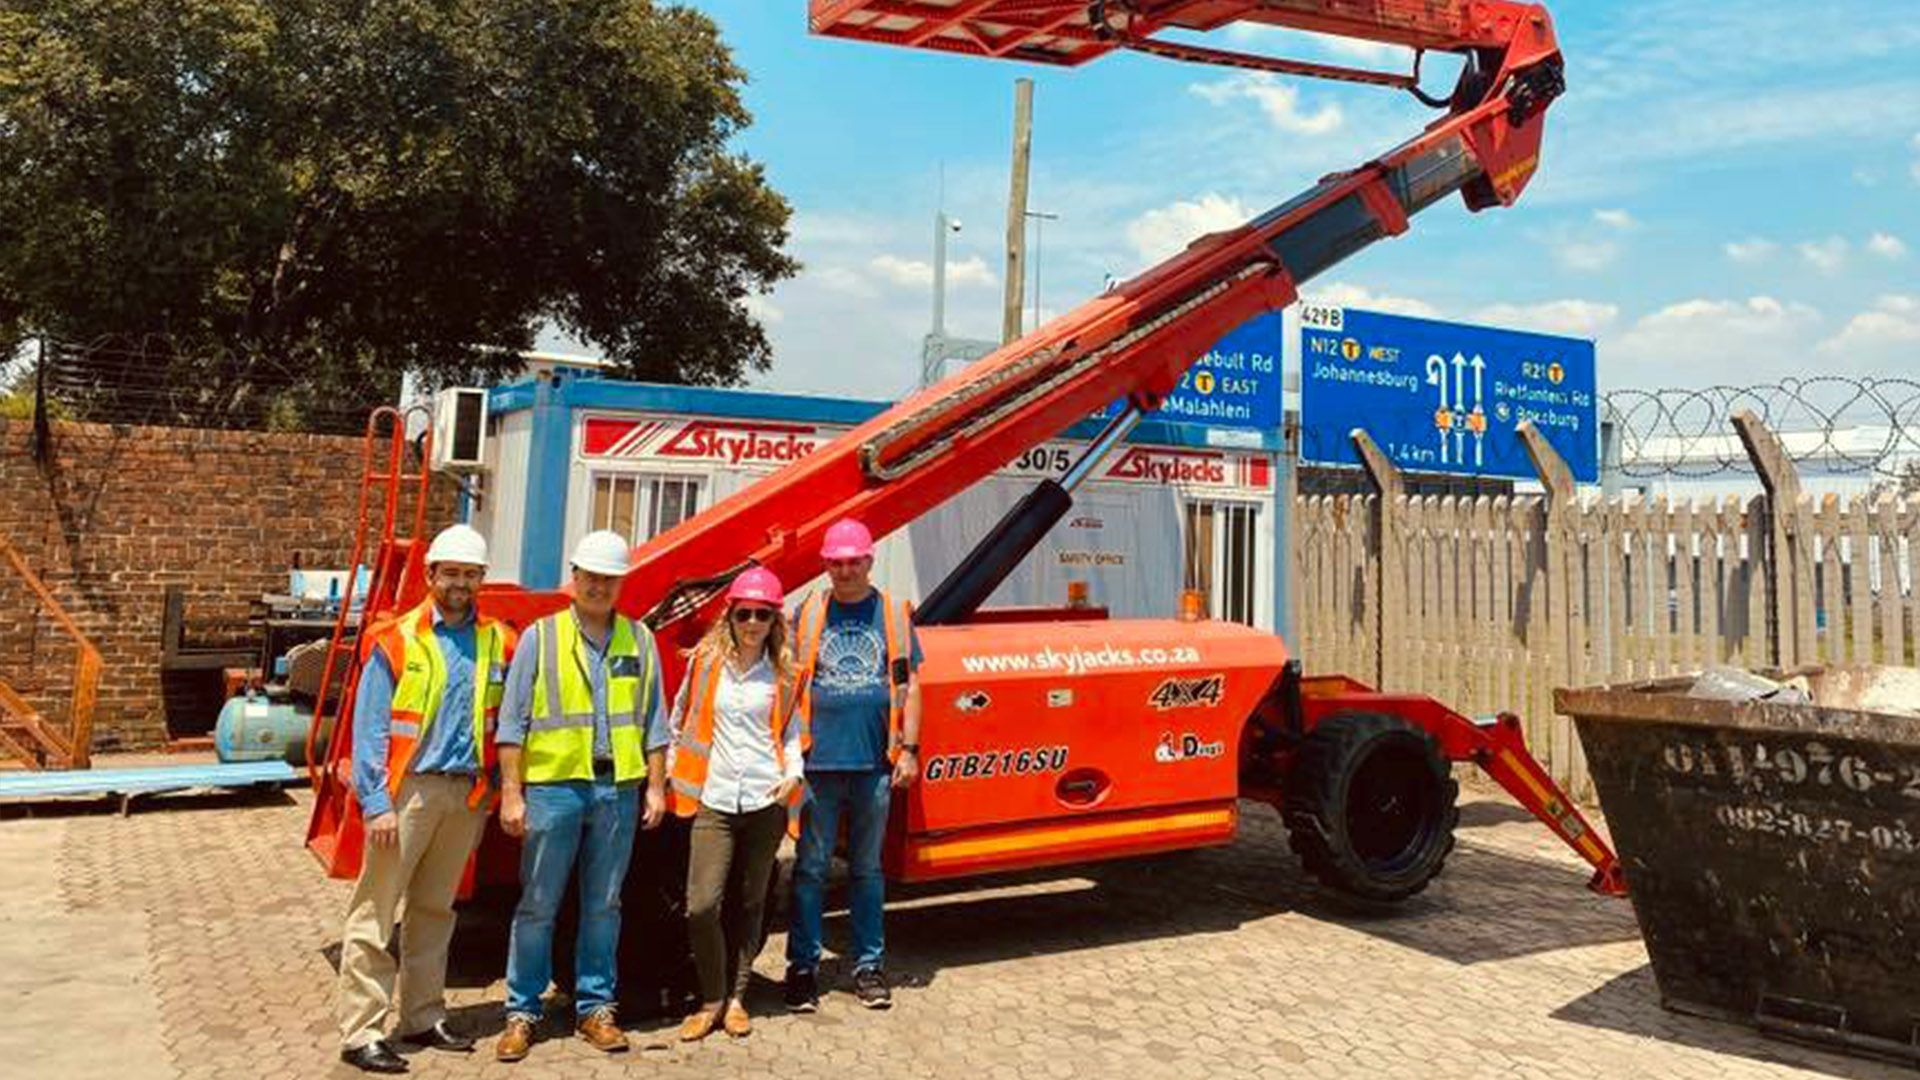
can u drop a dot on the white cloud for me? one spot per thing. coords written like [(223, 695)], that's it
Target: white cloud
[(1345, 294), (839, 279), (1702, 341), (916, 273), (1277, 40), (1751, 250), (1584, 255), (1164, 232), (1615, 219), (1890, 330), (1574, 318), (813, 228), (763, 309), (1280, 101), (1827, 256), (1915, 171), (1887, 246)]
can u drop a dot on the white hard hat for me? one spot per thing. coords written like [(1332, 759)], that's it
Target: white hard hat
[(603, 552), (458, 544)]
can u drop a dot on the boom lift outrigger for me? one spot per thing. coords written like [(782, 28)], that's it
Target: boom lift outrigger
[(1359, 775)]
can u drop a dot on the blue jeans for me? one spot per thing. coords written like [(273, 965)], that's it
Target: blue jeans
[(596, 821), (864, 797)]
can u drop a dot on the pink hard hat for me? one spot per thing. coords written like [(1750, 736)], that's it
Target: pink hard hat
[(847, 539), (757, 585)]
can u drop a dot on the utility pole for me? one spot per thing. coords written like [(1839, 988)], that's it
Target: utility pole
[(1016, 269), (1040, 219), (933, 353)]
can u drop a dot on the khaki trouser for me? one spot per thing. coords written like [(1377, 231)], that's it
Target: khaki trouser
[(437, 834), (727, 872)]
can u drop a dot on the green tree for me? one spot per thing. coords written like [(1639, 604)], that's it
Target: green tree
[(301, 198)]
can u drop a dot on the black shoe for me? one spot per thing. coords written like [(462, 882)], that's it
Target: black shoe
[(440, 1037), (375, 1057), (870, 986), (802, 991)]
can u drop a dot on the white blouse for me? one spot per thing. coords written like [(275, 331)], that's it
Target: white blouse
[(742, 771)]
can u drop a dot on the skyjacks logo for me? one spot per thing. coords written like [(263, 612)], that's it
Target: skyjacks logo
[(729, 442), (1166, 468), (736, 444)]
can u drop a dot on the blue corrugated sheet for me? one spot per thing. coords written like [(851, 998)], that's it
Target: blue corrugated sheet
[(38, 785)]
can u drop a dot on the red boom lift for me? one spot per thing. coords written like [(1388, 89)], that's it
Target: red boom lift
[(1053, 737)]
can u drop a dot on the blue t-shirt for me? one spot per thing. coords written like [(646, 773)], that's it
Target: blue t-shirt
[(850, 692)]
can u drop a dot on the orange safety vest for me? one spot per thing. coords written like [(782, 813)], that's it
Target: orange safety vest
[(417, 689), (693, 741), (812, 626)]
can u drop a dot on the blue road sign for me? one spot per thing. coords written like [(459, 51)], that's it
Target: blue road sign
[(1443, 397), (1236, 384)]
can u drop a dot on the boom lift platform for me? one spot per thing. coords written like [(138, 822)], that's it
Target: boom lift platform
[(1064, 738)]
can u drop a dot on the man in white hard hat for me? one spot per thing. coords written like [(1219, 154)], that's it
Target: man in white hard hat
[(583, 749), (423, 719)]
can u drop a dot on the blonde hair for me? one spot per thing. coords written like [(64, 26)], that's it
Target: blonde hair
[(719, 644)]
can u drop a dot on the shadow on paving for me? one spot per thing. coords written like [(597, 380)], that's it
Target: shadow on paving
[(172, 802), (1496, 810), (1630, 1004), (1486, 906)]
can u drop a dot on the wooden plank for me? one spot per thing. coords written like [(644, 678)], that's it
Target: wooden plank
[(1539, 639), (1685, 574), (1305, 581), (1481, 697), (1726, 552), (1859, 530), (1756, 644), (1806, 641), (1615, 558), (1363, 658), (1907, 654), (1889, 535), (1580, 598), (1711, 523), (1659, 624), (1354, 589), (1828, 580), (1500, 560)]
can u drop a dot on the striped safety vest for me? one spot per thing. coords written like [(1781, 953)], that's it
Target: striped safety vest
[(559, 743), (412, 651), (812, 626), (693, 741)]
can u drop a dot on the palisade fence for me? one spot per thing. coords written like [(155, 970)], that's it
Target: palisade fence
[(1489, 603)]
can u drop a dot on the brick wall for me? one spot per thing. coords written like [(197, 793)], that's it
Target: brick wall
[(117, 513)]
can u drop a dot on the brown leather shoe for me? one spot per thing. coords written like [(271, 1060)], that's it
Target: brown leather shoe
[(598, 1028), (700, 1024), (515, 1041), (738, 1024)]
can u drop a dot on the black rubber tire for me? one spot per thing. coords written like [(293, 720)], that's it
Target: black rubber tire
[(1370, 806)]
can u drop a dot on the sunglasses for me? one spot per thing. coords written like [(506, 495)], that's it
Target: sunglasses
[(753, 614)]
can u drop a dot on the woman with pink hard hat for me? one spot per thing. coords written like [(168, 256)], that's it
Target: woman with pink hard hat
[(736, 771)]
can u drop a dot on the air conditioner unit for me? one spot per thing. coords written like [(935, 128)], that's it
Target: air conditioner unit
[(459, 429)]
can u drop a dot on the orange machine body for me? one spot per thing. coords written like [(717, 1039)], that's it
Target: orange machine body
[(1046, 743)]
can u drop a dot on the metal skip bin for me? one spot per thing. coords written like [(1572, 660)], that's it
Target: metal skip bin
[(1772, 850)]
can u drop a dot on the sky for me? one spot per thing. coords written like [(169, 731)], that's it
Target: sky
[(1729, 193)]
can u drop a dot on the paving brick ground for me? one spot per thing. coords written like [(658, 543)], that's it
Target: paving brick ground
[(195, 939)]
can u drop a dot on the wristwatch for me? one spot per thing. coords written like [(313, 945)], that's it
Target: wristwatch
[(911, 748)]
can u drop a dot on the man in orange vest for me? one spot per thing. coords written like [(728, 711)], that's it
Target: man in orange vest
[(423, 721), (860, 702)]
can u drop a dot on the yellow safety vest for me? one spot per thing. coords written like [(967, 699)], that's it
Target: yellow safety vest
[(559, 742), (413, 654)]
